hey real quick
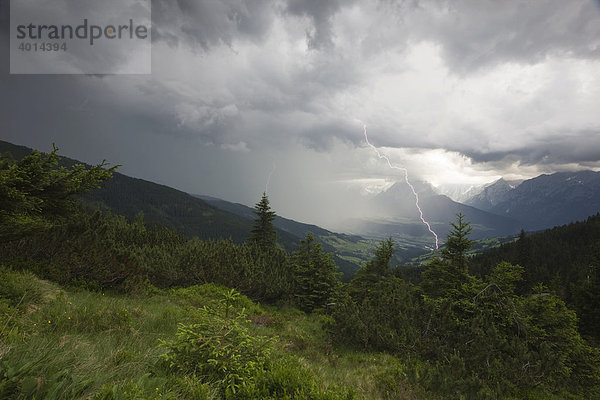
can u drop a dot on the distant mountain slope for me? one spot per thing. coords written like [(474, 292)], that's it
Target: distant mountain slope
[(485, 224), (492, 194), (551, 200), (548, 252), (459, 192), (349, 250), (16, 151), (397, 212), (295, 228), (162, 204), (171, 207)]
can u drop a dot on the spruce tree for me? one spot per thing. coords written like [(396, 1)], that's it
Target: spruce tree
[(263, 233), (37, 194), (458, 243), (374, 271), (444, 276), (315, 275), (523, 249)]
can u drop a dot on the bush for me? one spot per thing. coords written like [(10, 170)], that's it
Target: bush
[(87, 251), (211, 294), (219, 347)]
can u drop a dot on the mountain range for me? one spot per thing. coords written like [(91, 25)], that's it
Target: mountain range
[(544, 201), (396, 214), (498, 209), (490, 195), (459, 192)]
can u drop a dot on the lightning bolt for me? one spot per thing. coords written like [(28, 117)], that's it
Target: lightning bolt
[(389, 163), (269, 178)]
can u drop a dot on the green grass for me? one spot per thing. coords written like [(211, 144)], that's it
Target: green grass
[(357, 251), (362, 250), (74, 343), (58, 343), (479, 246)]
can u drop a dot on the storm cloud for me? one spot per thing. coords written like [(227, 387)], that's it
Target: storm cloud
[(456, 91)]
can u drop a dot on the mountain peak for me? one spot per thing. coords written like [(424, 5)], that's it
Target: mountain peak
[(505, 182), (493, 193), (547, 200), (401, 187), (459, 192)]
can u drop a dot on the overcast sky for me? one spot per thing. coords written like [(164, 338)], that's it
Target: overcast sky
[(458, 92)]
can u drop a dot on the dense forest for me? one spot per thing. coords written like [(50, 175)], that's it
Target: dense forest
[(99, 305), (566, 259)]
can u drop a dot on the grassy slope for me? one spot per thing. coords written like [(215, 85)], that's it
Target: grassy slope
[(61, 343)]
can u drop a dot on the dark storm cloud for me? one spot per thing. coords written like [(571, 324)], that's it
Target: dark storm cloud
[(320, 12), (4, 39), (321, 136), (237, 84), (476, 34), (566, 148), (206, 23), (211, 23)]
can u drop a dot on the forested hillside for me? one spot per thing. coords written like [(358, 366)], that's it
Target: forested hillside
[(565, 258), (161, 204), (97, 305), (193, 216)]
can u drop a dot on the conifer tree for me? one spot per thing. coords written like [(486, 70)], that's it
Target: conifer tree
[(378, 309), (523, 249), (263, 233), (315, 275), (458, 244), (374, 271), (449, 274), (37, 194)]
